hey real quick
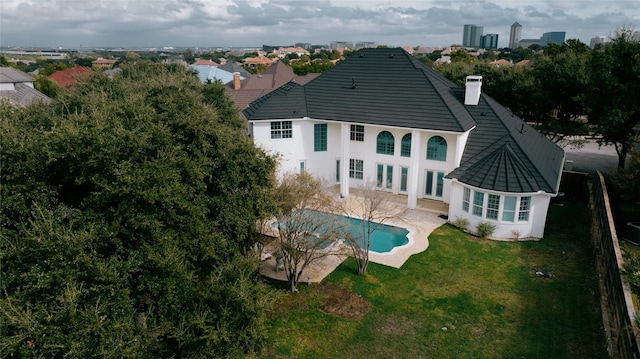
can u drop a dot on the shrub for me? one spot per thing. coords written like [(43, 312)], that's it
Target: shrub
[(461, 223), (485, 229)]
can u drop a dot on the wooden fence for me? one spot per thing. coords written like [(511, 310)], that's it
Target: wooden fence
[(617, 304)]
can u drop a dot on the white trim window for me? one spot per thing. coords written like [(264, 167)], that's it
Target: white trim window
[(281, 129), (509, 209), (495, 207), (357, 133), (523, 213), (356, 168), (466, 196), (478, 203)]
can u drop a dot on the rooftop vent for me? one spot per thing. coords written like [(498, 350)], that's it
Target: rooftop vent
[(473, 87)]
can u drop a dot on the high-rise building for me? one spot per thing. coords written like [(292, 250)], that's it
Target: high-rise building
[(556, 37), (489, 41), (514, 36), (595, 40), (472, 36)]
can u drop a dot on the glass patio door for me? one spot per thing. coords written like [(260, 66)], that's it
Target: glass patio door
[(434, 184)]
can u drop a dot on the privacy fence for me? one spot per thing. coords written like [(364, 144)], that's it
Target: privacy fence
[(617, 303)]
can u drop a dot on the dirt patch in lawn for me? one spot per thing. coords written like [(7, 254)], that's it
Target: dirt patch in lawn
[(342, 302)]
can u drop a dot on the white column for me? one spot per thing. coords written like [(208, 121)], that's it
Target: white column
[(414, 170), (344, 160)]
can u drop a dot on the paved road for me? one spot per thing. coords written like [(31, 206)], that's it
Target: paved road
[(592, 157)]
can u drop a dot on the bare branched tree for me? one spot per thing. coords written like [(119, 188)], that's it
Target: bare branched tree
[(372, 207), (306, 231)]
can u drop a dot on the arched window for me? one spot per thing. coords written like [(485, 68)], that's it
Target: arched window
[(437, 149), (405, 146), (385, 143)]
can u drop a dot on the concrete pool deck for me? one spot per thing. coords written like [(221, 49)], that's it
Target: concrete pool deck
[(420, 222)]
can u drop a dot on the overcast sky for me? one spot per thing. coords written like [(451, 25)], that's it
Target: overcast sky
[(252, 23)]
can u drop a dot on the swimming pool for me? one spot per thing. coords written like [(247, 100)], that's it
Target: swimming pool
[(383, 239)]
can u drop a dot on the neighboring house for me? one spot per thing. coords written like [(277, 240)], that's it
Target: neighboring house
[(233, 67), (243, 92), (501, 63), (101, 63), (212, 73), (69, 77), (382, 116), (258, 60), (17, 88)]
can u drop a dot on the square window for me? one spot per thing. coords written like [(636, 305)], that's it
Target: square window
[(357, 133), (281, 129)]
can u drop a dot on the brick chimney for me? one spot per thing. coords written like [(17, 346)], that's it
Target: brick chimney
[(473, 89), (236, 81)]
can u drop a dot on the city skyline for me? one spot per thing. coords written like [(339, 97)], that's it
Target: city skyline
[(252, 23)]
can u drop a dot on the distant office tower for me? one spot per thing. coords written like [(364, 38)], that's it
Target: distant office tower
[(556, 37), (526, 43), (636, 36), (490, 41), (598, 40), (514, 37), (472, 36)]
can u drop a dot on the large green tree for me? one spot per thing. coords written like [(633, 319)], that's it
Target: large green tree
[(562, 77), (614, 91), (127, 208)]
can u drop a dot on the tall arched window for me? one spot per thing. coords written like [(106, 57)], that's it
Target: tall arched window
[(437, 149), (385, 143), (405, 145)]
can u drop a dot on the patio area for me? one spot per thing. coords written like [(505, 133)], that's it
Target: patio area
[(420, 222)]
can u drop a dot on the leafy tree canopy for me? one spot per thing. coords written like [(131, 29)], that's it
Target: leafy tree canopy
[(127, 206), (614, 91)]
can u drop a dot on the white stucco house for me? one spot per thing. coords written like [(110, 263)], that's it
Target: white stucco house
[(382, 116)]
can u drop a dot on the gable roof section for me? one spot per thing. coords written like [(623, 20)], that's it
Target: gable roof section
[(11, 75), (384, 87), (505, 154)]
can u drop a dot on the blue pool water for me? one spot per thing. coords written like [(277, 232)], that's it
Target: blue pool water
[(383, 239)]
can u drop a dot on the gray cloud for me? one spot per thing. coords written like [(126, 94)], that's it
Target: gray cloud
[(206, 23)]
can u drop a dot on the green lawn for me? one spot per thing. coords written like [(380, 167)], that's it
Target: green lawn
[(462, 298)]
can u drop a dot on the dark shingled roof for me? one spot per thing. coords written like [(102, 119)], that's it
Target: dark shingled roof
[(406, 93), (390, 87), (505, 154)]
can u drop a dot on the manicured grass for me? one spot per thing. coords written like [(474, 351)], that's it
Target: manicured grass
[(462, 298)]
